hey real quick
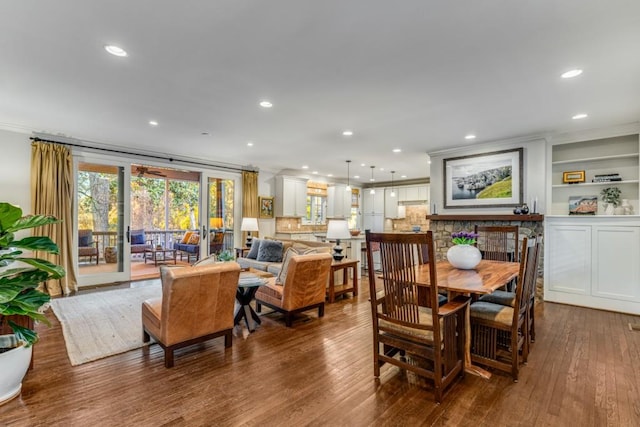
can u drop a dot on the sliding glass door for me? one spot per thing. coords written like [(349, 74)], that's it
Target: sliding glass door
[(220, 204)]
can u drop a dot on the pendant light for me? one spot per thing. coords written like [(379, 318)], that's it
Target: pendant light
[(373, 191), (348, 186), (393, 192)]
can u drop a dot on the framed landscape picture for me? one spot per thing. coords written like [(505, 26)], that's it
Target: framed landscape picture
[(484, 180), (583, 205), (266, 207)]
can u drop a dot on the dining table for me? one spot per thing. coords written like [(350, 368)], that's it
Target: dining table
[(485, 278)]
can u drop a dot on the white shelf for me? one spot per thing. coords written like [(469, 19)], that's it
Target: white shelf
[(595, 159), (595, 184)]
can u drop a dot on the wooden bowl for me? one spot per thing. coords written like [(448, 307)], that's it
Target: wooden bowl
[(354, 233)]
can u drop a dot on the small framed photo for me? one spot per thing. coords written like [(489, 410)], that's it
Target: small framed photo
[(572, 177), (583, 205), (266, 207)]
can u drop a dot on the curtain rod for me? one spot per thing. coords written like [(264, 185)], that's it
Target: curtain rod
[(151, 156)]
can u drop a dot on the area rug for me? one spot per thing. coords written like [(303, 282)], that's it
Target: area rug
[(102, 324)]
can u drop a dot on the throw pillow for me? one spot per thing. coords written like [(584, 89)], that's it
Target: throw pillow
[(85, 240), (255, 246), (186, 237), (194, 239), (137, 239), (270, 251), (282, 277)]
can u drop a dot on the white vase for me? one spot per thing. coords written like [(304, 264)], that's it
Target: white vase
[(628, 209), (610, 209), (15, 363), (464, 257)]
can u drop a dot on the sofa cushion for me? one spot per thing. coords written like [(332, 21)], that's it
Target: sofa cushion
[(255, 246), (282, 277), (252, 263), (270, 251), (274, 268)]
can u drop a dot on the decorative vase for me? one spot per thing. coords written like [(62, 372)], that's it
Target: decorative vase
[(464, 257), (610, 209), (628, 209), (15, 363), (619, 210)]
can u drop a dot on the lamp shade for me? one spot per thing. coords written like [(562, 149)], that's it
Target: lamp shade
[(249, 224), (338, 229)]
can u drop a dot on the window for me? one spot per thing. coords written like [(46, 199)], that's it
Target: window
[(316, 210)]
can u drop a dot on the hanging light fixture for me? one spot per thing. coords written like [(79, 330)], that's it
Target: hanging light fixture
[(348, 186), (373, 191), (393, 192)]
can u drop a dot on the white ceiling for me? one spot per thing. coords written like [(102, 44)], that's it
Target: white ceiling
[(414, 74)]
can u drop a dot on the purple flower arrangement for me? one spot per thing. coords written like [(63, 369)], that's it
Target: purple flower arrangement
[(463, 238)]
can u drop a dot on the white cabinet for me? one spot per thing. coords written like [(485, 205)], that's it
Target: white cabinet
[(291, 196), (338, 201), (593, 262), (373, 203), (391, 207), (413, 193), (373, 222)]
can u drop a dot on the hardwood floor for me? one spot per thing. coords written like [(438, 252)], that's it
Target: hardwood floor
[(584, 370)]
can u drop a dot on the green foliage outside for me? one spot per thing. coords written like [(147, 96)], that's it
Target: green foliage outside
[(499, 190)]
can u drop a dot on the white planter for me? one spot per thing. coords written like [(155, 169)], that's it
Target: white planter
[(14, 365), (464, 257)]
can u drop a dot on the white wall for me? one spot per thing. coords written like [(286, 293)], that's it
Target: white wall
[(534, 173), (15, 173), (266, 187)]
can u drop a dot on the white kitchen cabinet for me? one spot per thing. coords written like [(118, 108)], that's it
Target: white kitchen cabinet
[(391, 207), (373, 203), (413, 193), (338, 201), (373, 222), (593, 262), (291, 196)]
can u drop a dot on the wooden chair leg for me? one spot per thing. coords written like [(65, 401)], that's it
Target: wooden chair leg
[(168, 357), (288, 319), (228, 339), (321, 310)]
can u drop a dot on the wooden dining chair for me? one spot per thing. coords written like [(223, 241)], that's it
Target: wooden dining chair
[(428, 341), (499, 332), (498, 242)]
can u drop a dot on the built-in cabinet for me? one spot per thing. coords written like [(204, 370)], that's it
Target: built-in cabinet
[(392, 208), (291, 196), (418, 193), (373, 210), (593, 260), (339, 201)]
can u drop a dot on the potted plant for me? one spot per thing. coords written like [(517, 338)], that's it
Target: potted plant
[(464, 255), (611, 196), (226, 255), (19, 278)]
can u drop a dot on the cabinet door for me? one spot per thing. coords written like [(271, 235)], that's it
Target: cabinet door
[(300, 202), (569, 259), (616, 266), (390, 204)]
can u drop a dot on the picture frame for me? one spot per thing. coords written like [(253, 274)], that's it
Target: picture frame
[(266, 207), (583, 205), (572, 177), (486, 180)]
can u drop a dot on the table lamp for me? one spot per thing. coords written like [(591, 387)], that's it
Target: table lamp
[(338, 229), (249, 225)]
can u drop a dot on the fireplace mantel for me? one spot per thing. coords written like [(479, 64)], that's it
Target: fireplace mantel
[(479, 218)]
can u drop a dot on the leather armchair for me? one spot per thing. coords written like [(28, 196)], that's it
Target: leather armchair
[(304, 288), (196, 305)]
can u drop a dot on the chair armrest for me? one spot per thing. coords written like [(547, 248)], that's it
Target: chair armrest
[(453, 306)]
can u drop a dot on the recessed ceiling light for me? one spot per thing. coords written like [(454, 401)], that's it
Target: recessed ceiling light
[(153, 123), (470, 136), (249, 144), (305, 167), (429, 161), (403, 176), (362, 164), (397, 150), (356, 176), (266, 104), (347, 133), (382, 169), (115, 50), (580, 116), (315, 172), (571, 73)]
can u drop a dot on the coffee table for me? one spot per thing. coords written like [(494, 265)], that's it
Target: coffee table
[(154, 255), (245, 293)]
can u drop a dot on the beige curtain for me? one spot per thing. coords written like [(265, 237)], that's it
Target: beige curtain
[(52, 194), (250, 206)]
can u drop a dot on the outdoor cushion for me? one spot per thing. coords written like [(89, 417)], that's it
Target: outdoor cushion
[(194, 239), (85, 240), (137, 238), (186, 237), (270, 251)]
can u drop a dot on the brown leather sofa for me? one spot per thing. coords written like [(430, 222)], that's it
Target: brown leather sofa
[(197, 304), (304, 287)]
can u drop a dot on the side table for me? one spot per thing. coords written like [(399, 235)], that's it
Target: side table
[(343, 265), (248, 285), (241, 252)]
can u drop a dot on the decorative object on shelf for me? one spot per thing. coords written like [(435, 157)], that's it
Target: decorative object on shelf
[(18, 293), (628, 209), (266, 207), (484, 180), (354, 233), (610, 196), (338, 229), (521, 210), (573, 177), (249, 225), (610, 177), (583, 205), (463, 254)]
